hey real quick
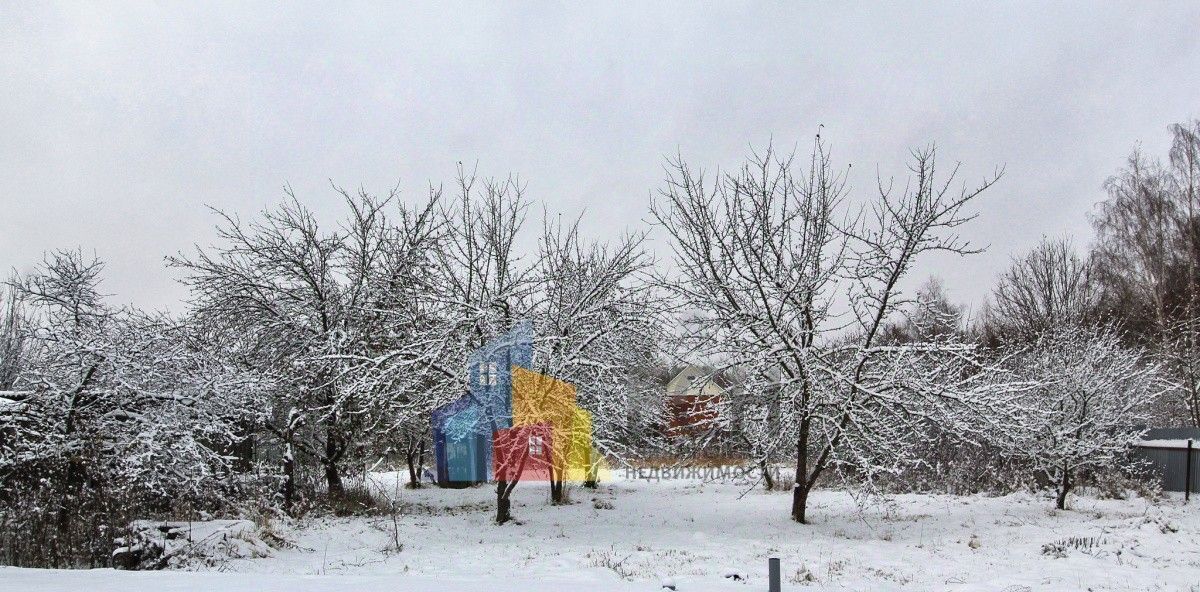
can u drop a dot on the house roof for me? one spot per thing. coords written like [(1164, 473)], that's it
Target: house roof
[(695, 371)]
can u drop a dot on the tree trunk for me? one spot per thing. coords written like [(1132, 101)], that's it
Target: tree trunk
[(768, 481), (556, 491), (289, 480), (333, 480), (504, 491), (74, 474), (70, 495), (414, 455), (799, 503), (1063, 488), (593, 472), (503, 504), (802, 486), (414, 480), (333, 452), (420, 460)]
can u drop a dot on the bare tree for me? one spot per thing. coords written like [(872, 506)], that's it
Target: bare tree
[(320, 313), (13, 346), (1148, 255), (1083, 401), (596, 317), (1138, 240), (1050, 286), (765, 254), (72, 343), (593, 315), (931, 317), (484, 283)]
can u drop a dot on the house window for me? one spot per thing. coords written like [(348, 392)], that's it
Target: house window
[(488, 375), (535, 446)]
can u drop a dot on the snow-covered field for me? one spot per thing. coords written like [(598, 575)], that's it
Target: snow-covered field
[(694, 534)]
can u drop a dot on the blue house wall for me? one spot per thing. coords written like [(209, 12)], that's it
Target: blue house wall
[(462, 429)]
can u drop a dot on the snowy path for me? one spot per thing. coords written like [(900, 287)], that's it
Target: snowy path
[(696, 533)]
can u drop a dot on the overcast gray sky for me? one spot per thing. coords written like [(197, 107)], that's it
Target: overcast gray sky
[(120, 122)]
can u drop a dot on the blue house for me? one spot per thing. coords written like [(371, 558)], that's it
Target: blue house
[(462, 429)]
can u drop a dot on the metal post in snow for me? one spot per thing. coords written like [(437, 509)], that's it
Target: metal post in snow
[(773, 574), (1187, 474)]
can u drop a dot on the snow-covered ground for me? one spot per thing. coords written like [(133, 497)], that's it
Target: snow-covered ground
[(694, 534)]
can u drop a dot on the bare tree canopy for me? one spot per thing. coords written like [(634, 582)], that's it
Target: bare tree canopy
[(1050, 286), (1147, 256), (1082, 401), (764, 254)]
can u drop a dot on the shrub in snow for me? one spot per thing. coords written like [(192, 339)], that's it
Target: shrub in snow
[(612, 560), (1055, 550), (159, 545), (121, 411), (802, 576), (1060, 548), (1081, 396), (1134, 479)]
